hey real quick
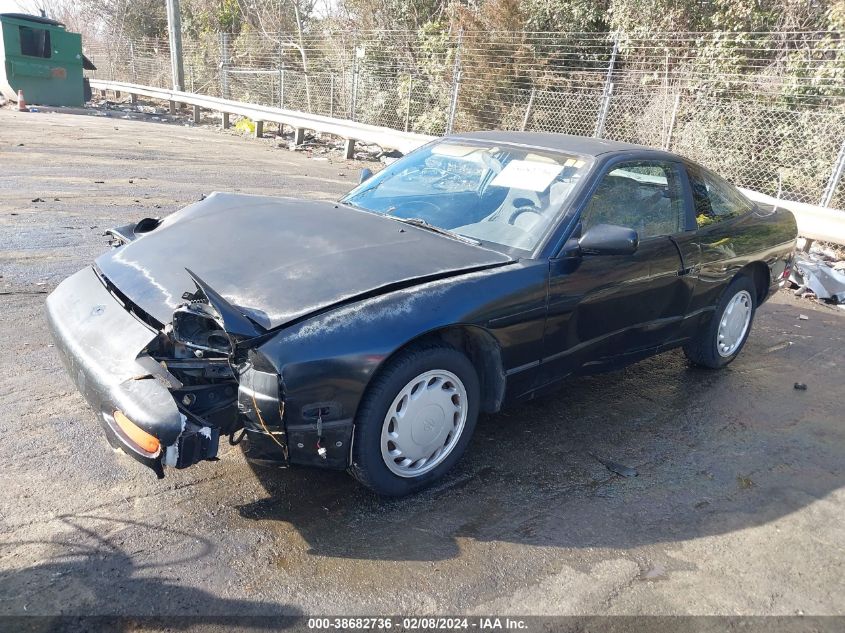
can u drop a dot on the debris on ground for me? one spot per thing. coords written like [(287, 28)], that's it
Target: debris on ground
[(744, 482), (615, 467), (777, 347), (245, 126), (820, 273), (127, 109), (657, 572), (389, 157), (800, 386)]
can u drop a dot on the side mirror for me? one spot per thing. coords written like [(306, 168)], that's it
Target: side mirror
[(365, 174), (609, 239)]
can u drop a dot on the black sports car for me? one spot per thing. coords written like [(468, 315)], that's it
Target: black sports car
[(368, 334)]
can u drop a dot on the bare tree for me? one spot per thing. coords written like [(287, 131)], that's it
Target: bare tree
[(273, 20)]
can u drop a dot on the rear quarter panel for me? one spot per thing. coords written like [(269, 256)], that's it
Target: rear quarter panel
[(765, 236)]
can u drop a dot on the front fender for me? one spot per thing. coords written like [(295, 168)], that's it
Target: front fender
[(326, 362)]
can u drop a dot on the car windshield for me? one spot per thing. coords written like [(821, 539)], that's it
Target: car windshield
[(493, 194)]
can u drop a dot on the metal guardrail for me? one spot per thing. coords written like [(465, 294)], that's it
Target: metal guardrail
[(814, 222), (300, 121)]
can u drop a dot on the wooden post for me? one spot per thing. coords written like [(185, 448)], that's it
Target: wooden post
[(172, 107), (298, 136), (349, 148), (133, 99), (259, 129), (196, 114), (174, 31), (225, 120)]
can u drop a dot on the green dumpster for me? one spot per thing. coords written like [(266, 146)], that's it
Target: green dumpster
[(40, 57)]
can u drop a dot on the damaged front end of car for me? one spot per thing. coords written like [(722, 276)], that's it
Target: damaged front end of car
[(172, 361), (166, 394)]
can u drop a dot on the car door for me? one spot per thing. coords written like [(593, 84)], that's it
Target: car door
[(610, 309)]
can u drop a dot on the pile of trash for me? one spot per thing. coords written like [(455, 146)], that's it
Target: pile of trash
[(820, 273), (125, 109)]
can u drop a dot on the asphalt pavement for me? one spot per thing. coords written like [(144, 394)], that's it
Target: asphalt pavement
[(737, 508)]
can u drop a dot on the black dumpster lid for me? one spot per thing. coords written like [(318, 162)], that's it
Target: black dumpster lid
[(31, 18)]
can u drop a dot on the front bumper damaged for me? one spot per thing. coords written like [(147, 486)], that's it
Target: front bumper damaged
[(102, 345)]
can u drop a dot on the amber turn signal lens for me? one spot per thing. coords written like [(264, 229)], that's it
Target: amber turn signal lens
[(139, 436)]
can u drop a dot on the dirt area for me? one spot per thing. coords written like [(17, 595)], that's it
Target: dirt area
[(738, 507)]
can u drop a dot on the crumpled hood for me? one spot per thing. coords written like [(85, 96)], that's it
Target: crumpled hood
[(278, 259)]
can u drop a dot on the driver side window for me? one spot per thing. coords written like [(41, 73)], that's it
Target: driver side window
[(642, 195)]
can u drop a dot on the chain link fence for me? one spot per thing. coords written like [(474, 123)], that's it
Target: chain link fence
[(767, 110)]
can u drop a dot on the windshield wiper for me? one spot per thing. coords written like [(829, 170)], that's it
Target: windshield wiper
[(436, 229)]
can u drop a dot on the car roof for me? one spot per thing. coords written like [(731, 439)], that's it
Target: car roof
[(583, 145)]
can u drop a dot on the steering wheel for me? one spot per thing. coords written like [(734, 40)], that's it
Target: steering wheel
[(433, 172), (437, 176), (415, 207), (518, 212)]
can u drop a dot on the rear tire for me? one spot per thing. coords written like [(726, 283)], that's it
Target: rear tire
[(415, 420), (724, 336)]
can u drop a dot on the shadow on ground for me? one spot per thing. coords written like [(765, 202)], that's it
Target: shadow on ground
[(715, 451), (91, 576)]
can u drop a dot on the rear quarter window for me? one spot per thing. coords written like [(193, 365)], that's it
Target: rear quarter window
[(715, 199)]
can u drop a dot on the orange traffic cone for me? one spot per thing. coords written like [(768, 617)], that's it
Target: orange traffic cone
[(21, 102)]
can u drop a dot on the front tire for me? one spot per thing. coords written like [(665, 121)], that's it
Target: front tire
[(721, 341), (415, 420)]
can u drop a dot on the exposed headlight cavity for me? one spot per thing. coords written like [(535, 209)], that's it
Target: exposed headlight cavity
[(195, 325)]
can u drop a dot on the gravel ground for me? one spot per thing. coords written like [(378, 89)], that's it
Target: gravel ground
[(738, 507)]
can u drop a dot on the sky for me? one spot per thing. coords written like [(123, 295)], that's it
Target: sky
[(16, 6), (29, 6)]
